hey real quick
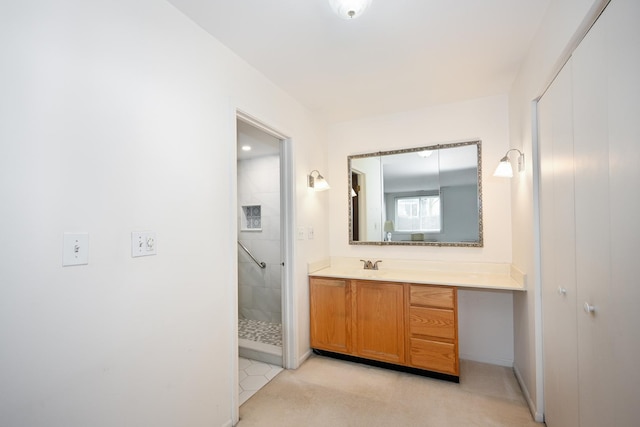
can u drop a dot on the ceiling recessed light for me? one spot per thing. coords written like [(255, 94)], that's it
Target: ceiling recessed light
[(246, 148)]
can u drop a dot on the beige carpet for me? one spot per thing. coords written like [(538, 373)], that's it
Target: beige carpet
[(333, 393)]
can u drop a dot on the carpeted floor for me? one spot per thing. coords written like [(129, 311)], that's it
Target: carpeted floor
[(325, 392)]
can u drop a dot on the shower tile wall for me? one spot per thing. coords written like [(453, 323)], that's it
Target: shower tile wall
[(259, 290)]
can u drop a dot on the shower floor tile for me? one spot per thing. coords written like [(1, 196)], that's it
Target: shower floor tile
[(260, 331)]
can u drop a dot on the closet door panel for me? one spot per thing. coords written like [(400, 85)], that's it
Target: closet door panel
[(558, 253), (593, 235), (623, 62)]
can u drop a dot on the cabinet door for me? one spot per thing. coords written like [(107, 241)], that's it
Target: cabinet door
[(379, 320), (330, 309), (557, 239)]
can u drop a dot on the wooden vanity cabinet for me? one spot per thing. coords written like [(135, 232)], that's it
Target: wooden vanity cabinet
[(404, 324)]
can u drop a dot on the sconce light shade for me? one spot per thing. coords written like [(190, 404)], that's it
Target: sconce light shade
[(349, 9), (353, 193), (504, 169), (318, 183)]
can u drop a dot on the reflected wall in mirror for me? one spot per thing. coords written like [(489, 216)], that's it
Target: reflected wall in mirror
[(429, 196)]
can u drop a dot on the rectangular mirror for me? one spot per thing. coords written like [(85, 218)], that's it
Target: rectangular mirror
[(429, 196)]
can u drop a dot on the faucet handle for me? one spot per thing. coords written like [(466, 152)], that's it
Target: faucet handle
[(375, 265), (368, 265)]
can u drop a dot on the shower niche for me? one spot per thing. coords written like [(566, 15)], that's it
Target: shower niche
[(251, 218)]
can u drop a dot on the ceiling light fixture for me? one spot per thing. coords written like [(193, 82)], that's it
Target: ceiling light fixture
[(504, 169), (349, 9), (246, 148)]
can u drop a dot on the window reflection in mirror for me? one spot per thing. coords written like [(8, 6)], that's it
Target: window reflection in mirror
[(428, 195)]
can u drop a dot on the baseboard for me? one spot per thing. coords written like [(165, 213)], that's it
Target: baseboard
[(491, 361), (537, 416), (304, 357), (228, 423)]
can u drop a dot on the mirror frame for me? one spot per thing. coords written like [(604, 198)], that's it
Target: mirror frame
[(478, 244)]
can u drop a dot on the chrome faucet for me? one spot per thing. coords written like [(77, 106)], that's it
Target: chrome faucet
[(368, 265)]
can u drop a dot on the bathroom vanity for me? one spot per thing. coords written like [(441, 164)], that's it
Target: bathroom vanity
[(405, 319)]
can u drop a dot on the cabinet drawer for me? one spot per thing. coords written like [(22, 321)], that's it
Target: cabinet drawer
[(434, 322), (341, 283), (434, 356), (432, 296)]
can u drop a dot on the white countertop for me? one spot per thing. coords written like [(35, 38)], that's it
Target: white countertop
[(463, 279)]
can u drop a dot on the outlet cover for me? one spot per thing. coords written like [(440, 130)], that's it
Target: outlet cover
[(301, 233)]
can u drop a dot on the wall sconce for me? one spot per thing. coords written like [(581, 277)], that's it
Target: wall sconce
[(318, 183), (504, 169)]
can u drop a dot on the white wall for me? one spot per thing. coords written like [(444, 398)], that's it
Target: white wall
[(485, 119), (559, 25), (119, 116), (485, 326)]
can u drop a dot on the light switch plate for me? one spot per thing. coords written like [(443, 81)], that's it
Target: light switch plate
[(75, 249), (143, 243), (310, 232)]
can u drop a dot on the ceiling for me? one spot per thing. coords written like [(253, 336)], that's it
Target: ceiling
[(261, 144), (399, 55)]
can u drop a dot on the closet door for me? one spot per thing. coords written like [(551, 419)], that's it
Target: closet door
[(623, 81), (593, 229), (558, 279)]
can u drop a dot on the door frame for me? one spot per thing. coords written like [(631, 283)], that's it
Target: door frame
[(289, 338)]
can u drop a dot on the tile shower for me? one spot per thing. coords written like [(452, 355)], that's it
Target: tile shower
[(259, 289)]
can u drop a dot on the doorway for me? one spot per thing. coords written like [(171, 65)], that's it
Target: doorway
[(263, 252)]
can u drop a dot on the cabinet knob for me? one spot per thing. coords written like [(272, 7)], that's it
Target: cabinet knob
[(562, 291), (588, 308)]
